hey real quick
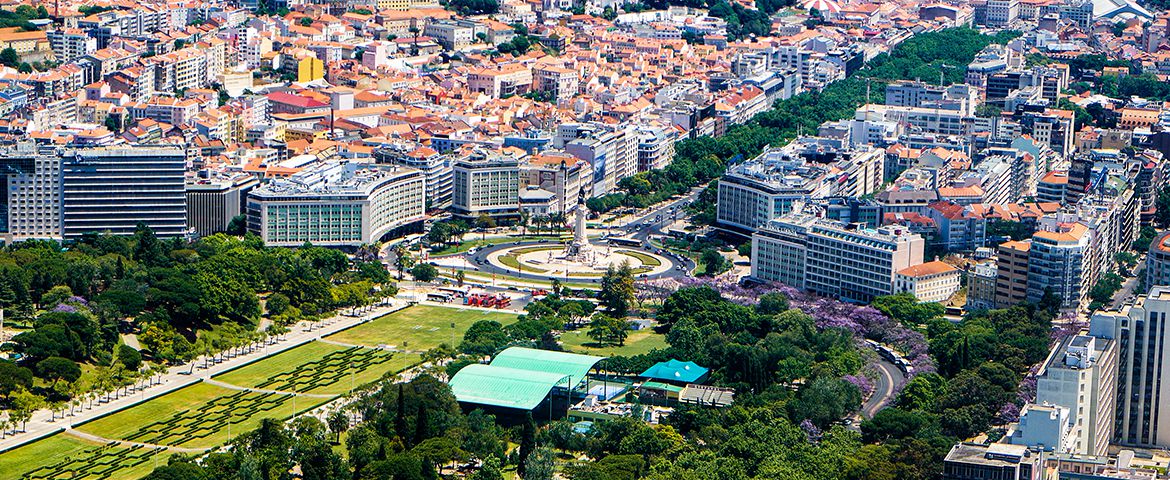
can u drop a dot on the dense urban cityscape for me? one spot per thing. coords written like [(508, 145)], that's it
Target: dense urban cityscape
[(584, 239)]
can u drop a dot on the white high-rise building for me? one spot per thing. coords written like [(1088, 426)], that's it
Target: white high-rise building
[(1143, 373), (31, 195), (1081, 375)]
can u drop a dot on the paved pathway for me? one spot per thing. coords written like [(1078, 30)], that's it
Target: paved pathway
[(230, 386), (44, 423)]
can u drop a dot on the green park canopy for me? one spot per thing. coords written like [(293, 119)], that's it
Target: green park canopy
[(503, 386), (520, 377), (571, 364)]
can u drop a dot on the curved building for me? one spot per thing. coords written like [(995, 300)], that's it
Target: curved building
[(339, 204)]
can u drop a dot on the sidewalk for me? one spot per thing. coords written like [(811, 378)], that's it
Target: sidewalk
[(42, 424)]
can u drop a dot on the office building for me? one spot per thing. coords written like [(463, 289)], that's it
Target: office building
[(1143, 390), (613, 153), (564, 175), (112, 190), (436, 167), (1081, 375), (855, 263), (779, 250), (214, 199), (339, 204), (755, 192), (486, 185)]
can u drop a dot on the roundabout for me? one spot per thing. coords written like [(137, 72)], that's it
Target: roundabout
[(561, 261)]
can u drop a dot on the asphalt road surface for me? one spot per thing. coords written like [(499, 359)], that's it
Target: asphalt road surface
[(889, 377)]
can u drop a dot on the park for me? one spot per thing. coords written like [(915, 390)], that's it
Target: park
[(204, 416)]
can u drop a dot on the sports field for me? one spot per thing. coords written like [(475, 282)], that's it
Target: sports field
[(61, 456), (639, 342), (196, 416), (418, 328)]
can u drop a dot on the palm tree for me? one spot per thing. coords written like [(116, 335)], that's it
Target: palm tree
[(525, 216), (414, 32)]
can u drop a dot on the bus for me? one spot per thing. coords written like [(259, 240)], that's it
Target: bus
[(625, 241)]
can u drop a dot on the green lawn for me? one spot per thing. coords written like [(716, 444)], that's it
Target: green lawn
[(638, 342), (62, 456), (196, 416), (418, 328), (320, 368)]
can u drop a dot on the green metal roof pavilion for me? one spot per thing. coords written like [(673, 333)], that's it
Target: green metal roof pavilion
[(520, 377)]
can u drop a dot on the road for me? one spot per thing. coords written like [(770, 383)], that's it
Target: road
[(1122, 295), (889, 378), (45, 423)]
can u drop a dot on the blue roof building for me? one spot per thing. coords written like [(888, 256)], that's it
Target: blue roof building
[(676, 372)]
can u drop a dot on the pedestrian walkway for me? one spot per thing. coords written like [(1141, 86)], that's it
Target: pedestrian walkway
[(230, 386), (45, 423)]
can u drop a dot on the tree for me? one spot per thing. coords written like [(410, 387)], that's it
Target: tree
[(338, 421), (484, 337), (540, 465), (606, 329), (713, 262), (306, 21), (9, 57), (424, 272), (277, 304), (617, 290), (13, 377), (825, 401), (129, 357), (905, 308), (403, 260), (54, 369), (772, 303), (527, 444), (113, 123)]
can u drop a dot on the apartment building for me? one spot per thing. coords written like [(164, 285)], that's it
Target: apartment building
[(612, 151), (486, 185), (1011, 283), (1060, 261), (112, 190), (561, 82), (655, 146), (501, 80), (1158, 261), (933, 281), (338, 204), (70, 44)]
